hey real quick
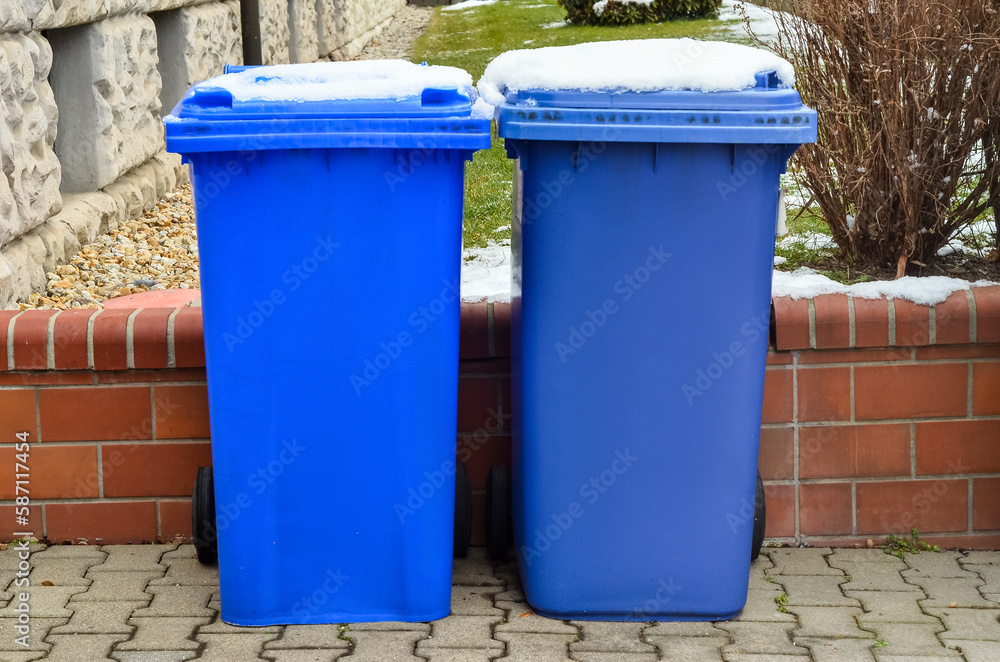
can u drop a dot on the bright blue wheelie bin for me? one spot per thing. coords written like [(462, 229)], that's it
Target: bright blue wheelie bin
[(643, 242), (329, 211)]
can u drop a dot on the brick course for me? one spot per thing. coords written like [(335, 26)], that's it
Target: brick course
[(871, 424)]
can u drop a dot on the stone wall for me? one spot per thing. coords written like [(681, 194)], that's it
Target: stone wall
[(81, 105), (346, 26)]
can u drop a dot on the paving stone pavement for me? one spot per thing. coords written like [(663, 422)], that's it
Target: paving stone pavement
[(156, 603)]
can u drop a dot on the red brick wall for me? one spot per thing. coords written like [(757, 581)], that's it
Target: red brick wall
[(879, 416)]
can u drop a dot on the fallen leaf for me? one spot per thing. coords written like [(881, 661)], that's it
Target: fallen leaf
[(47, 583), (953, 605), (3, 547), (527, 613), (871, 543)]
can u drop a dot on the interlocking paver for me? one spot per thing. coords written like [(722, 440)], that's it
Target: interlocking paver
[(185, 551), (474, 600), (117, 586), (232, 647), (309, 636), (23, 656), (520, 618), (685, 629), (882, 656), (608, 637), (952, 592), (78, 647), (760, 580), (133, 558), (45, 602), (816, 591), (908, 639), (990, 574), (535, 647), (303, 655), (845, 555), (892, 607), (936, 564), (515, 594), (459, 631), (459, 655), (802, 561), (760, 638), (681, 648), (971, 624), (187, 572), (62, 572), (688, 649), (977, 651), (99, 618), (385, 646), (761, 657), (153, 656), (10, 557), (69, 552), (980, 558), (761, 606), (839, 650), (391, 626), (178, 601), (593, 656), (36, 636), (218, 626), (830, 622), (876, 577), (474, 570), (167, 633)]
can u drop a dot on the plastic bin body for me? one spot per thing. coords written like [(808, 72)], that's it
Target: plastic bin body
[(642, 260), (330, 287)]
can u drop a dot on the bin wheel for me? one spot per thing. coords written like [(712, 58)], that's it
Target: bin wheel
[(759, 520), (203, 517), (497, 513), (463, 511)]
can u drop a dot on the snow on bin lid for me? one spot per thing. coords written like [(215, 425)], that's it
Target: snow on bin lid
[(373, 88), (641, 65)]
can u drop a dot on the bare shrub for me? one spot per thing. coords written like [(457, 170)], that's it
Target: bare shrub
[(908, 94)]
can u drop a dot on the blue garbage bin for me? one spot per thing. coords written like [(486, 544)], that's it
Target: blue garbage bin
[(330, 236), (642, 250)]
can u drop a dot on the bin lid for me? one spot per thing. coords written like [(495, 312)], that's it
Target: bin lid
[(650, 90), (330, 104)]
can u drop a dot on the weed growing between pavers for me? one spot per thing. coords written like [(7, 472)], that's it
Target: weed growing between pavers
[(900, 547)]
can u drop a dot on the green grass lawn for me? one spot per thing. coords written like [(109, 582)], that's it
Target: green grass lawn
[(471, 38)]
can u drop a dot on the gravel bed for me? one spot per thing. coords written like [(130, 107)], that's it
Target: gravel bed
[(159, 250)]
